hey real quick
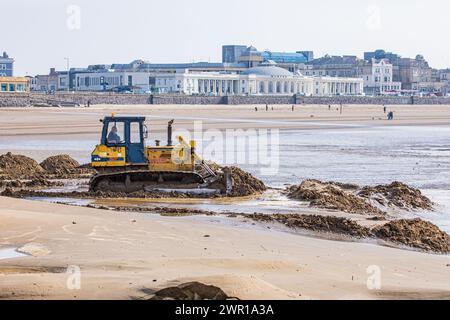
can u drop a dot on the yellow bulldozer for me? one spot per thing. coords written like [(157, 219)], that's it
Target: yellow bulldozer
[(125, 164)]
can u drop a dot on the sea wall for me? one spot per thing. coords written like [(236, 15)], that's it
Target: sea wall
[(79, 98), (14, 99)]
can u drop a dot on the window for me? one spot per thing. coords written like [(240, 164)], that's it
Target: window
[(135, 132), (20, 88), (12, 87), (2, 66), (116, 133), (4, 87)]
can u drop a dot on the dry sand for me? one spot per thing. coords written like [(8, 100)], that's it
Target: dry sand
[(122, 253)]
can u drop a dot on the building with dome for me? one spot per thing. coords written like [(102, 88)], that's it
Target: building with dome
[(265, 79)]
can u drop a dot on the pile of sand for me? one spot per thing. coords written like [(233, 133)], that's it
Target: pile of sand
[(316, 223), (192, 291), (61, 164), (18, 166), (415, 233), (244, 184), (331, 196), (397, 195)]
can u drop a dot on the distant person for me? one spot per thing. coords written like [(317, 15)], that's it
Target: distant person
[(385, 109), (391, 115), (256, 109), (329, 107), (89, 103), (293, 108), (113, 137), (342, 108), (267, 107), (272, 108)]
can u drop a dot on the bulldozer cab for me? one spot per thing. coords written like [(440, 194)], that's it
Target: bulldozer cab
[(126, 132)]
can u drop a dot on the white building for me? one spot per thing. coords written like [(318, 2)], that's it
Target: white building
[(378, 77), (265, 79), (102, 81)]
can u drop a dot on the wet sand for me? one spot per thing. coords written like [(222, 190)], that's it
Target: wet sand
[(78, 125), (120, 254)]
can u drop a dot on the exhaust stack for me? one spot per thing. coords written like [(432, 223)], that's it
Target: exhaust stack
[(169, 133)]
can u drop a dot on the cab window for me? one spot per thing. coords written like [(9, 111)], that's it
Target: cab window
[(116, 133), (135, 132)]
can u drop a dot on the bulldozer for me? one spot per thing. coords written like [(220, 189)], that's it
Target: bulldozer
[(124, 163)]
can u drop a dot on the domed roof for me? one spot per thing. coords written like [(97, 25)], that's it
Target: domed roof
[(268, 70)]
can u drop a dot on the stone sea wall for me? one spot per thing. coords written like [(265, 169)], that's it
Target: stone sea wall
[(74, 99)]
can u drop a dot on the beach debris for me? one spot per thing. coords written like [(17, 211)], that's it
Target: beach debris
[(397, 195), (19, 166), (332, 196), (244, 184), (38, 182), (60, 164), (191, 291), (415, 233), (317, 223), (352, 198)]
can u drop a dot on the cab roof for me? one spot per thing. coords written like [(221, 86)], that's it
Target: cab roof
[(124, 119)]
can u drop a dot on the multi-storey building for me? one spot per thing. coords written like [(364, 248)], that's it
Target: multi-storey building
[(6, 65), (378, 77), (333, 66)]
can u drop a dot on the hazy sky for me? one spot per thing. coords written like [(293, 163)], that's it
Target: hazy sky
[(40, 33)]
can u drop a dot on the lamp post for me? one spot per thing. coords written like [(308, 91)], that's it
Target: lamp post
[(68, 73), (148, 74)]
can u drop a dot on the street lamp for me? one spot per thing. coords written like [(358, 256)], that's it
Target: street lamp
[(148, 74), (68, 73)]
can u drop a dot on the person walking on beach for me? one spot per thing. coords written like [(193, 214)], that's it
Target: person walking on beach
[(256, 109), (267, 107), (385, 109), (329, 107), (342, 108), (293, 108)]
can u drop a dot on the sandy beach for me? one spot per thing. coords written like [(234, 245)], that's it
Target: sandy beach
[(126, 255), (120, 254)]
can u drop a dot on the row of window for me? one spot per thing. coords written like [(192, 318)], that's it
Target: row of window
[(12, 87)]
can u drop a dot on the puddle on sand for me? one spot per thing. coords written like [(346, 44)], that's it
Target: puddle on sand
[(11, 253), (272, 201), (71, 201)]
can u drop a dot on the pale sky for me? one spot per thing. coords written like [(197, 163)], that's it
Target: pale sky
[(39, 34)]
